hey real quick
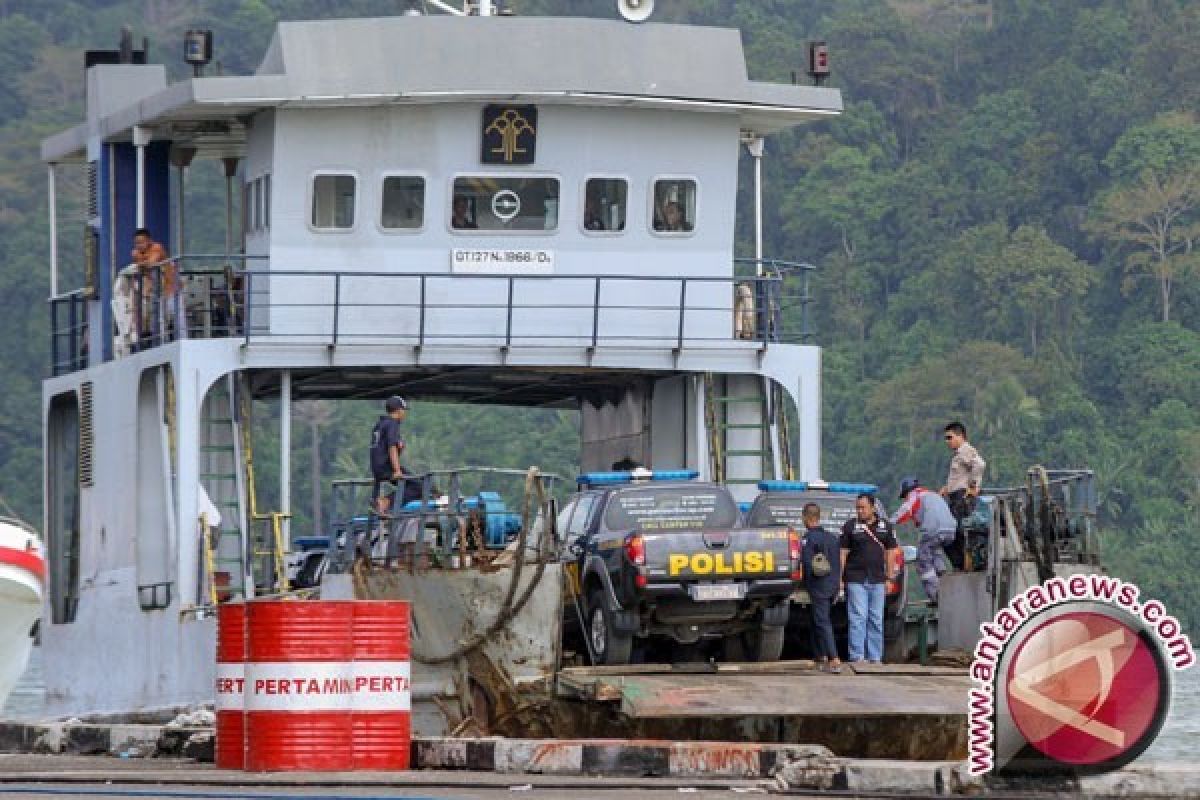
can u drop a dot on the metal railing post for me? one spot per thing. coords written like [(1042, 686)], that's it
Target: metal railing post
[(596, 315), (337, 302), (73, 346), (682, 309), (247, 306), (508, 322), (53, 336), (421, 323)]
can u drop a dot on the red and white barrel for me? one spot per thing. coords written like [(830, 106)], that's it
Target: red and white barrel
[(382, 685), (299, 685), (231, 678)]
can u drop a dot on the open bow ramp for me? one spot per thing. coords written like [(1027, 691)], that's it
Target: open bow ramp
[(881, 711)]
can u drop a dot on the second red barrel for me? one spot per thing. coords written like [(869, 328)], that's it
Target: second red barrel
[(299, 685), (382, 674)]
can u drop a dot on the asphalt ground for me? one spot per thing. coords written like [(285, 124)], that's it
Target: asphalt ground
[(56, 776)]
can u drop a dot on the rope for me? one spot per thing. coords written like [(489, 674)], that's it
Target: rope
[(509, 608)]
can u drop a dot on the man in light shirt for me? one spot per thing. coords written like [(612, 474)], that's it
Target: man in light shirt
[(966, 472)]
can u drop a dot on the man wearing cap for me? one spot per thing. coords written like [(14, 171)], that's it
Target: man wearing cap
[(929, 512), (386, 446)]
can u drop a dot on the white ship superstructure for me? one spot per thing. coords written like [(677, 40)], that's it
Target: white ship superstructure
[(521, 211)]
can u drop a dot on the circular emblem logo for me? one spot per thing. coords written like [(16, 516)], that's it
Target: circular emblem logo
[(1088, 688), (506, 204)]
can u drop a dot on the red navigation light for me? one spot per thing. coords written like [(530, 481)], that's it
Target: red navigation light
[(635, 549)]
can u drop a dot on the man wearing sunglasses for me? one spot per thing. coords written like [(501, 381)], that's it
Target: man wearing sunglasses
[(966, 472)]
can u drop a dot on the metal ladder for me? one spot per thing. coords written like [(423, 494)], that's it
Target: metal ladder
[(717, 414), (268, 553), (222, 478)]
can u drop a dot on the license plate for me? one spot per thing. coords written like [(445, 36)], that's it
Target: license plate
[(704, 592)]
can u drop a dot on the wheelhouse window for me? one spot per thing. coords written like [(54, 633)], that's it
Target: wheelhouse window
[(403, 206), (333, 202), (604, 204), (675, 206), (490, 203)]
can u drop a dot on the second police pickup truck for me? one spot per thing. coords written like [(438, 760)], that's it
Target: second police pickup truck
[(779, 505), (661, 556)]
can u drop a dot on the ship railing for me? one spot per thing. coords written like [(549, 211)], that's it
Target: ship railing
[(68, 332), (764, 301), (786, 314), (181, 297), (505, 311)]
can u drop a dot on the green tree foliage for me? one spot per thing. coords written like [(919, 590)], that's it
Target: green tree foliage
[(1003, 221), (1154, 210)]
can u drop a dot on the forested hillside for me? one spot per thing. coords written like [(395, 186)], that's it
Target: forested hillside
[(1006, 222)]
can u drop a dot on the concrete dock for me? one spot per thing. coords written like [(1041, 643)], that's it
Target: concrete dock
[(129, 761)]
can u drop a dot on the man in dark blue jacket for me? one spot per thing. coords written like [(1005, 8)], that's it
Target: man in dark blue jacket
[(821, 561)]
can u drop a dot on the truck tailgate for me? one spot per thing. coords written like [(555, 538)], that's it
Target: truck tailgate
[(738, 554)]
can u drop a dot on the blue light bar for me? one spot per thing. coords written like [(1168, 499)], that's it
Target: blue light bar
[(627, 476), (854, 488), (803, 486), (782, 486)]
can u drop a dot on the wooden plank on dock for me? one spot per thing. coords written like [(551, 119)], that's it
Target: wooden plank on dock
[(813, 695)]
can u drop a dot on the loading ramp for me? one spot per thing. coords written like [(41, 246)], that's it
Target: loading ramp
[(870, 711)]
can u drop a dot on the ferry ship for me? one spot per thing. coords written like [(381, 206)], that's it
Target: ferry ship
[(471, 207), (22, 591)]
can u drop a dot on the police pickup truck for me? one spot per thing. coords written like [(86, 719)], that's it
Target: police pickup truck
[(661, 556), (778, 506)]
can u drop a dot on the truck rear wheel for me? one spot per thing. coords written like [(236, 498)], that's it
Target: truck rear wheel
[(764, 643), (609, 646)]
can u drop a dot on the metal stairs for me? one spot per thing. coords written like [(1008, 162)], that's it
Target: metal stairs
[(746, 427)]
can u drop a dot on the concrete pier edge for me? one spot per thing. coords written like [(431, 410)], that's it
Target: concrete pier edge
[(778, 767)]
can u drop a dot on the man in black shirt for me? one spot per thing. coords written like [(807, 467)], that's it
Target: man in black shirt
[(386, 446), (822, 575), (868, 561)]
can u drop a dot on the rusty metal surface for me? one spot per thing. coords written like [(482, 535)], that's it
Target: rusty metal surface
[(509, 674), (793, 695)]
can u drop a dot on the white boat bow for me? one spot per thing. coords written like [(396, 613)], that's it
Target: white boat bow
[(22, 587)]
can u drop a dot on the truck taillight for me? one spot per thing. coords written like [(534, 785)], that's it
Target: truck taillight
[(794, 553), (635, 550), (894, 586)]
